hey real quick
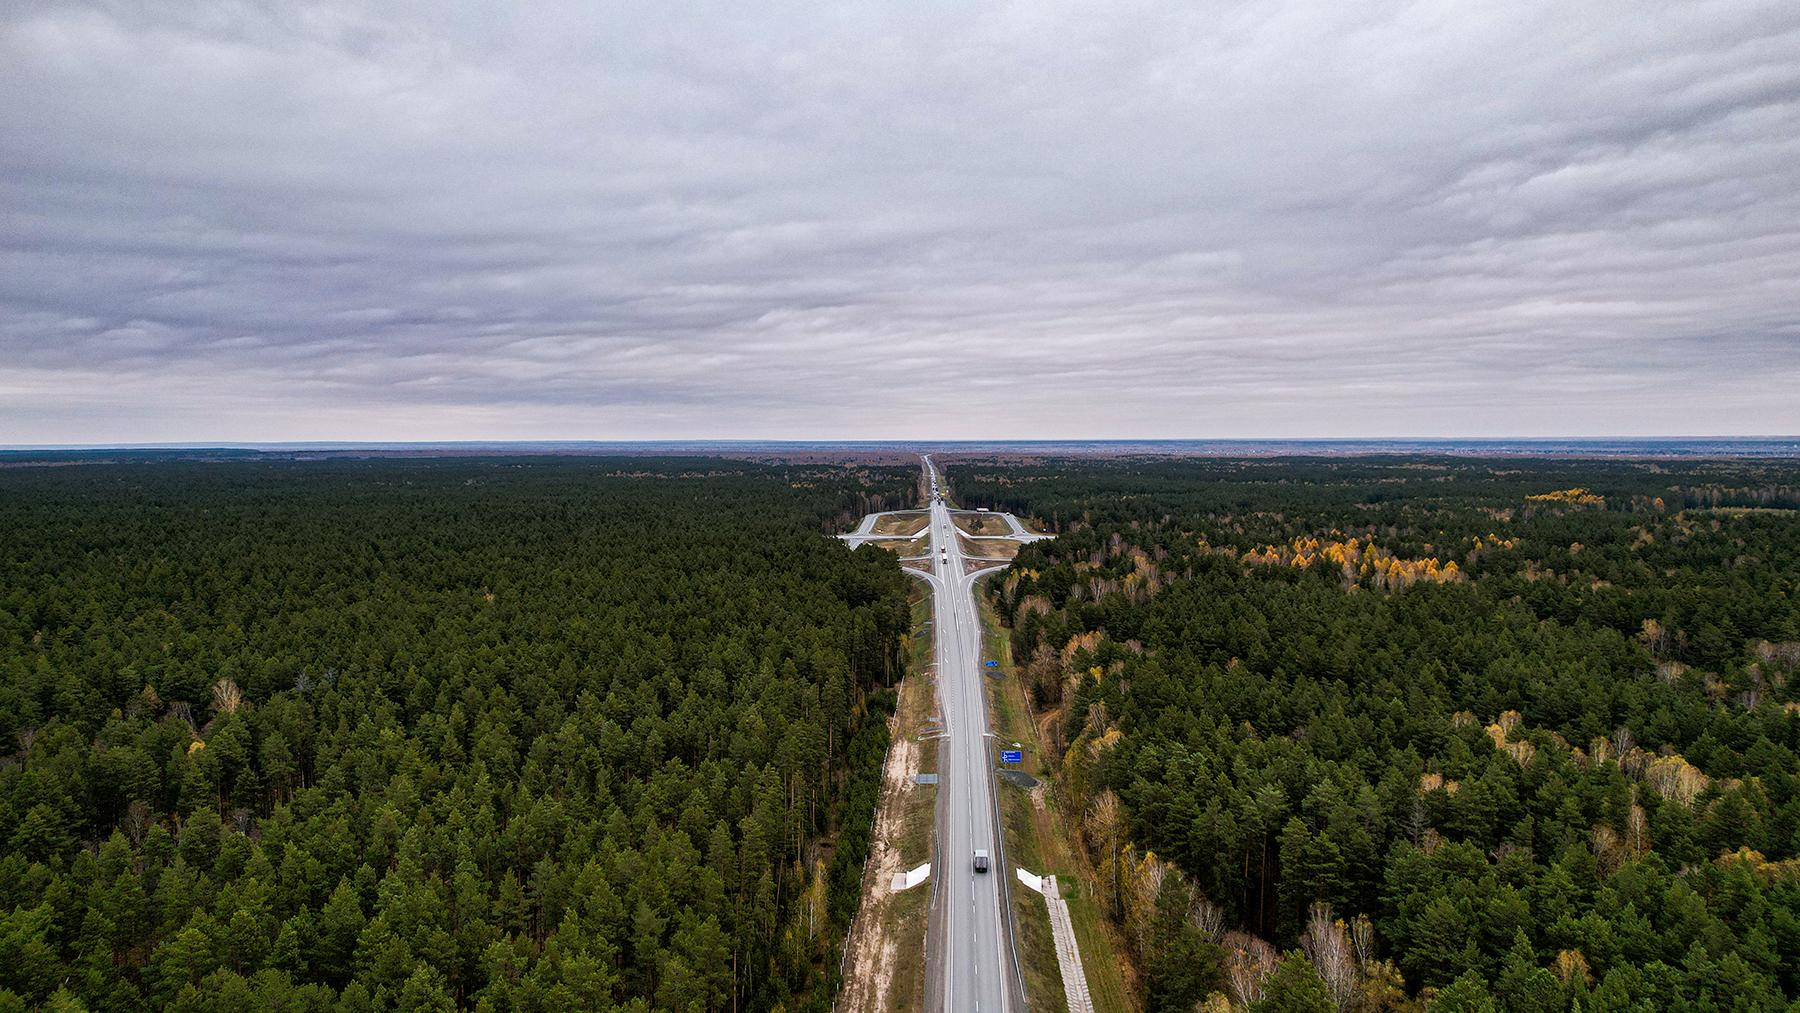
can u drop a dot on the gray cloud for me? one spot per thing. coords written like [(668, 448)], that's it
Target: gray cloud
[(243, 220)]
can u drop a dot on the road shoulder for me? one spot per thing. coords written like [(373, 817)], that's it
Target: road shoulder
[(884, 956), (1037, 839)]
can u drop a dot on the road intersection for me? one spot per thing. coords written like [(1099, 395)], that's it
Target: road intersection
[(971, 959)]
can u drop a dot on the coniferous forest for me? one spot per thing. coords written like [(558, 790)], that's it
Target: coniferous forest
[(1383, 734), (548, 734), (530, 734)]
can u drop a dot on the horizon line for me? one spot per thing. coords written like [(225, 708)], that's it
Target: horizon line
[(289, 445)]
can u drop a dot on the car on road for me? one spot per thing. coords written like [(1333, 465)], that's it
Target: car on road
[(981, 860)]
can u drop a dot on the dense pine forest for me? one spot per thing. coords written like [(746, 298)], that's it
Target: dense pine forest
[(1383, 734), (533, 734)]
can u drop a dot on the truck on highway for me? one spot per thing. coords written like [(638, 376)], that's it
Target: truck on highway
[(981, 860)]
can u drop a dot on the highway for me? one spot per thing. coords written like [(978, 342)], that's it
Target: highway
[(970, 966)]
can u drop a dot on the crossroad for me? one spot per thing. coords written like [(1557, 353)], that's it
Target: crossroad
[(970, 953), (971, 962)]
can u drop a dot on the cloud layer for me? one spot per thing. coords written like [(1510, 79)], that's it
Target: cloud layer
[(413, 220)]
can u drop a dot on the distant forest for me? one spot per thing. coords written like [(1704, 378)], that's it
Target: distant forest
[(532, 734), (1391, 733)]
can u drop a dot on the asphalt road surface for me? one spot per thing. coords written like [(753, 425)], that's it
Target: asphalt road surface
[(970, 965)]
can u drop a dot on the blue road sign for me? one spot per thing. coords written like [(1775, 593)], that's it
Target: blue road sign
[(1012, 756), (991, 663)]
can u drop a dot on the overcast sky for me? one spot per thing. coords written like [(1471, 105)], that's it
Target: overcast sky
[(447, 220)]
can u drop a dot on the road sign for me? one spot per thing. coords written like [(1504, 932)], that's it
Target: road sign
[(1011, 756), (991, 663)]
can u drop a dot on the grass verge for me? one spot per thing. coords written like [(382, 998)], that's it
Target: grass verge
[(903, 547), (907, 524), (1038, 838), (982, 524), (988, 548)]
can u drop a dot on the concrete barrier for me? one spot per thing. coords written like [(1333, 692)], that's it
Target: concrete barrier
[(911, 878), (1036, 883)]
